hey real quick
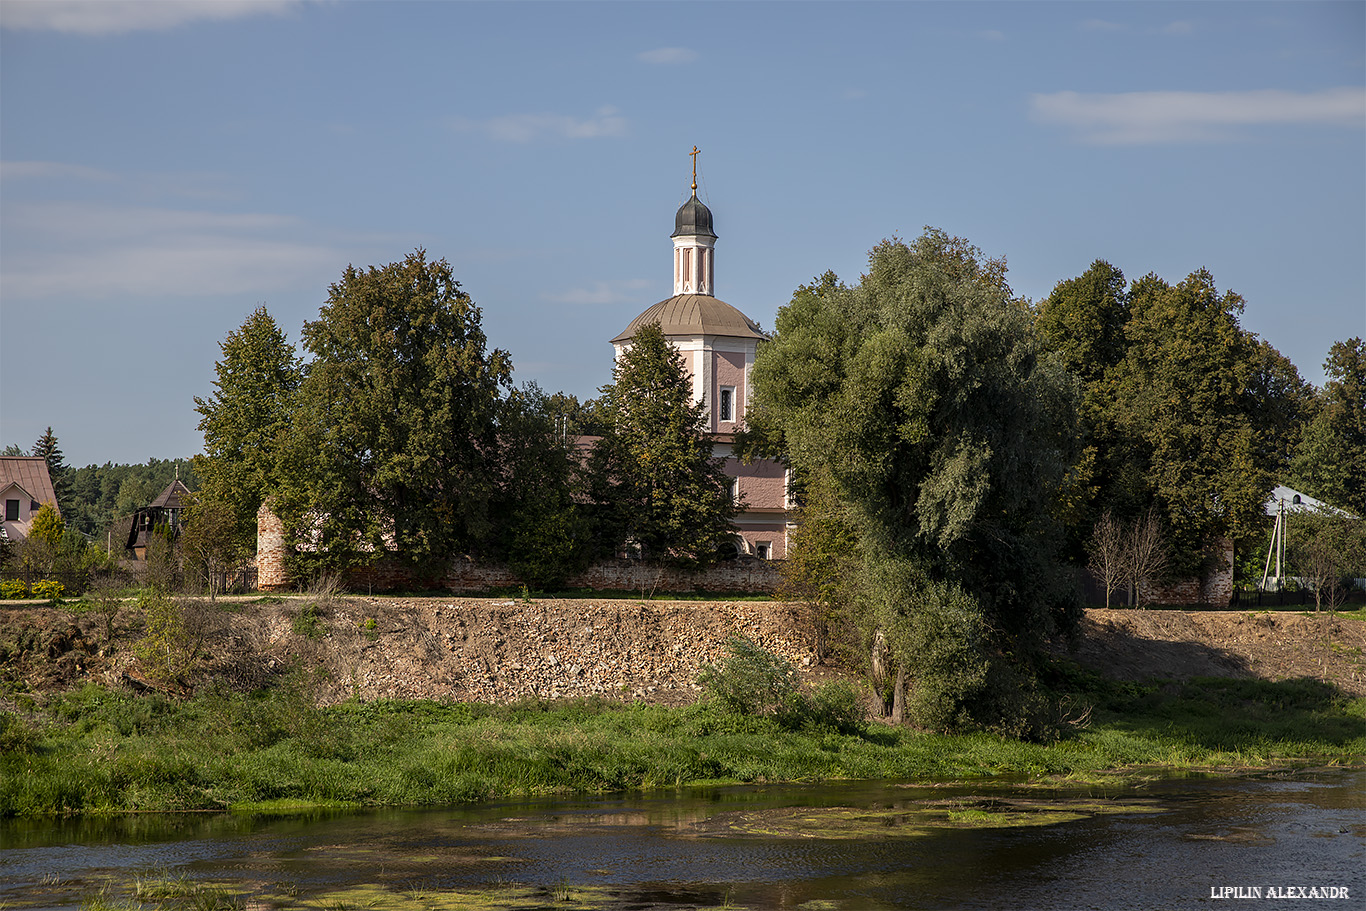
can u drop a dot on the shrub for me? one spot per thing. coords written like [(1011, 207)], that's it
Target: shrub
[(833, 706), (49, 589), (307, 623), (749, 680), (13, 589)]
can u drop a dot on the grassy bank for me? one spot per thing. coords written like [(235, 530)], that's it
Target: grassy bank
[(103, 751)]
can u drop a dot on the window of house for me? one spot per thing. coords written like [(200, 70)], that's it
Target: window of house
[(764, 549), (11, 510), (727, 411)]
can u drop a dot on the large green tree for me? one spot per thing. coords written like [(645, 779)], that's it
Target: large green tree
[(394, 445), (920, 393), (1204, 405), (543, 532), (245, 422), (1330, 460), (1182, 409), (655, 483)]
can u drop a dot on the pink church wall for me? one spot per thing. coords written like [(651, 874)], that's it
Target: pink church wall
[(763, 483), (728, 370)]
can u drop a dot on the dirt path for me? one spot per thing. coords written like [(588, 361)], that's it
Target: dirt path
[(498, 650)]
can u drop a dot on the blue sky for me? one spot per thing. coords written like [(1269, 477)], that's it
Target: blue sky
[(167, 167)]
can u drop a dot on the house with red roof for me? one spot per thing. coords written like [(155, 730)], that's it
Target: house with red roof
[(25, 485)]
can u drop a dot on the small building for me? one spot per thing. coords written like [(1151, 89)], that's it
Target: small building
[(25, 485), (165, 511)]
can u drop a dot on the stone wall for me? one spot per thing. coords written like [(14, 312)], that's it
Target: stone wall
[(743, 575)]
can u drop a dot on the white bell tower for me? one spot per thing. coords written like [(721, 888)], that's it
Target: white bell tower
[(694, 244)]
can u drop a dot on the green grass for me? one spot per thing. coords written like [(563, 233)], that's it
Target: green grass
[(97, 751)]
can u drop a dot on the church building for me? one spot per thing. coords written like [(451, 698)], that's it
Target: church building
[(718, 344)]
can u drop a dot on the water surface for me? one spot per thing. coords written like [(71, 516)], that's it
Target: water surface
[(1171, 844)]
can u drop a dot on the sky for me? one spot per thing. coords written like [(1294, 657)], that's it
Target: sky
[(168, 167)]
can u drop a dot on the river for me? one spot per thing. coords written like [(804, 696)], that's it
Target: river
[(1173, 843)]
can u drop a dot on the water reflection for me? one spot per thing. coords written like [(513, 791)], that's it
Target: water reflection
[(858, 845)]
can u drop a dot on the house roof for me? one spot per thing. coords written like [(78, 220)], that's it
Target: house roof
[(171, 497), (694, 314), (1298, 502), (29, 473)]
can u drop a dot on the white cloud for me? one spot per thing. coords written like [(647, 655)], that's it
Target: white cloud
[(1134, 118), (94, 251), (605, 122), (603, 292), (116, 17), (668, 55)]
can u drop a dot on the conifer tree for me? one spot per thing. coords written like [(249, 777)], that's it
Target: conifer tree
[(655, 482), (46, 448), (244, 421)]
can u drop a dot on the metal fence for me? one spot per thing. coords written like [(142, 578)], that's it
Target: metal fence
[(74, 583)]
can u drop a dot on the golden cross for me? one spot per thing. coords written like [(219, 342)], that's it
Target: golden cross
[(693, 153)]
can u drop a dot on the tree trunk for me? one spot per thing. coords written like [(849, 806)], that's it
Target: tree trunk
[(899, 697)]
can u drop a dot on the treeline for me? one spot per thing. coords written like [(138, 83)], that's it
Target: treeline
[(92, 498), (401, 434)]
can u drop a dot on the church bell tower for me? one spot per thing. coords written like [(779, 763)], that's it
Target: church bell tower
[(694, 244)]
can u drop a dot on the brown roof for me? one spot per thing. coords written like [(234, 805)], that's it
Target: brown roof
[(170, 497), (694, 314), (30, 473)]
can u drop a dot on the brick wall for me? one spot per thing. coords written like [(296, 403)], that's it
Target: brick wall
[(1214, 587), (271, 575)]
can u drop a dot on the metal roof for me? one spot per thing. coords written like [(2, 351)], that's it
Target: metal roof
[(30, 473), (693, 218), (694, 314)]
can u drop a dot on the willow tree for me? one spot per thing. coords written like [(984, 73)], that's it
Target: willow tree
[(921, 394)]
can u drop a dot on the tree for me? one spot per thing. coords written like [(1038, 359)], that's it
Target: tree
[(543, 534), (1330, 460), (653, 478), (1181, 408), (46, 526), (394, 445), (1083, 322), (1184, 397), (923, 393), (210, 543), (1328, 552), (46, 448), (1146, 554), (1107, 554), (245, 420)]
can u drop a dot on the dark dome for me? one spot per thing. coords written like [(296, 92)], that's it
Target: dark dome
[(693, 218)]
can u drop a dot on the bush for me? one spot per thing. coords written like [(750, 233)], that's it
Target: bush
[(13, 589), (49, 589), (749, 680), (833, 707)]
